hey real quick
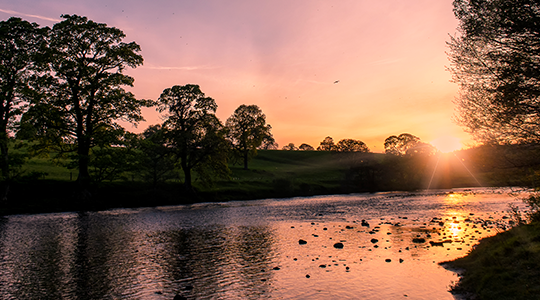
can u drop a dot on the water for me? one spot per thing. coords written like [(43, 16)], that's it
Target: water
[(251, 249)]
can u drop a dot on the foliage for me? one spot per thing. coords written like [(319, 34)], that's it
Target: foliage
[(350, 145), (495, 59), (112, 160), (533, 202), (247, 130), (290, 147), (84, 96), (156, 162), (193, 132), (399, 145), (20, 44), (306, 147), (327, 144)]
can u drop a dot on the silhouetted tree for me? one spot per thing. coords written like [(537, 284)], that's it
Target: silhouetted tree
[(495, 59), (290, 147), (247, 130), (20, 50), (350, 145), (399, 145), (85, 99), (327, 144), (269, 145), (112, 160), (194, 133), (306, 147), (156, 162)]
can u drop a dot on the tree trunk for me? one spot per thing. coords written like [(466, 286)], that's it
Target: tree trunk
[(187, 172), (83, 155), (4, 157), (246, 153), (4, 167)]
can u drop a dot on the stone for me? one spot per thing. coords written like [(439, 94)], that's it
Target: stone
[(302, 242), (338, 245), (374, 241)]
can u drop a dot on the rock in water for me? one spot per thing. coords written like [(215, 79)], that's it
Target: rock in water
[(338, 245)]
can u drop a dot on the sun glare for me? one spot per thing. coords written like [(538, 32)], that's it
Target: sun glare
[(447, 144)]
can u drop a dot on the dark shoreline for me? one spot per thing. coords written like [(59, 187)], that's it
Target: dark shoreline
[(50, 196)]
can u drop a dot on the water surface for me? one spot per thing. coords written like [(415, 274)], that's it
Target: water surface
[(251, 249)]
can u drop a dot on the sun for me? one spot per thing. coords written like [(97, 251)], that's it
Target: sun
[(447, 143)]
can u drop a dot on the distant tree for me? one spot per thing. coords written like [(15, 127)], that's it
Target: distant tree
[(85, 99), (350, 145), (327, 144), (20, 55), (495, 60), (269, 145), (290, 147), (422, 149), (399, 145), (247, 130), (156, 162), (306, 147), (194, 133)]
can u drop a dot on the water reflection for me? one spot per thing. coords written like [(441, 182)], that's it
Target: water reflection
[(250, 250)]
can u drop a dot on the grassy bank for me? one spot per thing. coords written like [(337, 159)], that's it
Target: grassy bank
[(505, 266), (49, 187)]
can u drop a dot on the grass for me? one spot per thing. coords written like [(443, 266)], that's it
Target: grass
[(505, 266)]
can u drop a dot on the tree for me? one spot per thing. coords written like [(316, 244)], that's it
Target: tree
[(86, 98), (495, 60), (290, 147), (20, 45), (327, 144), (350, 145), (156, 162), (400, 145), (193, 132), (247, 130), (306, 147)]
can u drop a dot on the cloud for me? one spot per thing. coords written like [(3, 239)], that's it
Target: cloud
[(12, 12)]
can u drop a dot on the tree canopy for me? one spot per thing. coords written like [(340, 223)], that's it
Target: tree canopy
[(495, 59), (20, 45), (400, 145), (247, 130), (194, 133), (306, 147), (327, 144), (351, 145), (84, 99)]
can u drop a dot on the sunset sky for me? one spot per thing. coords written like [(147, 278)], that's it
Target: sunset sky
[(360, 69)]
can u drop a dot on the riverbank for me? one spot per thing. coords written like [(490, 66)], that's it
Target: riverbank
[(504, 266)]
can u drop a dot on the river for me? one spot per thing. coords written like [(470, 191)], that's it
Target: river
[(298, 248)]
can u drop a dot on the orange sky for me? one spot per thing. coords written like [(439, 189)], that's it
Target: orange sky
[(284, 56)]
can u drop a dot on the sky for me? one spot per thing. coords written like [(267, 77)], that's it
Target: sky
[(360, 69)]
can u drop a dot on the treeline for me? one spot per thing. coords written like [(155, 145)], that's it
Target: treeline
[(63, 89)]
